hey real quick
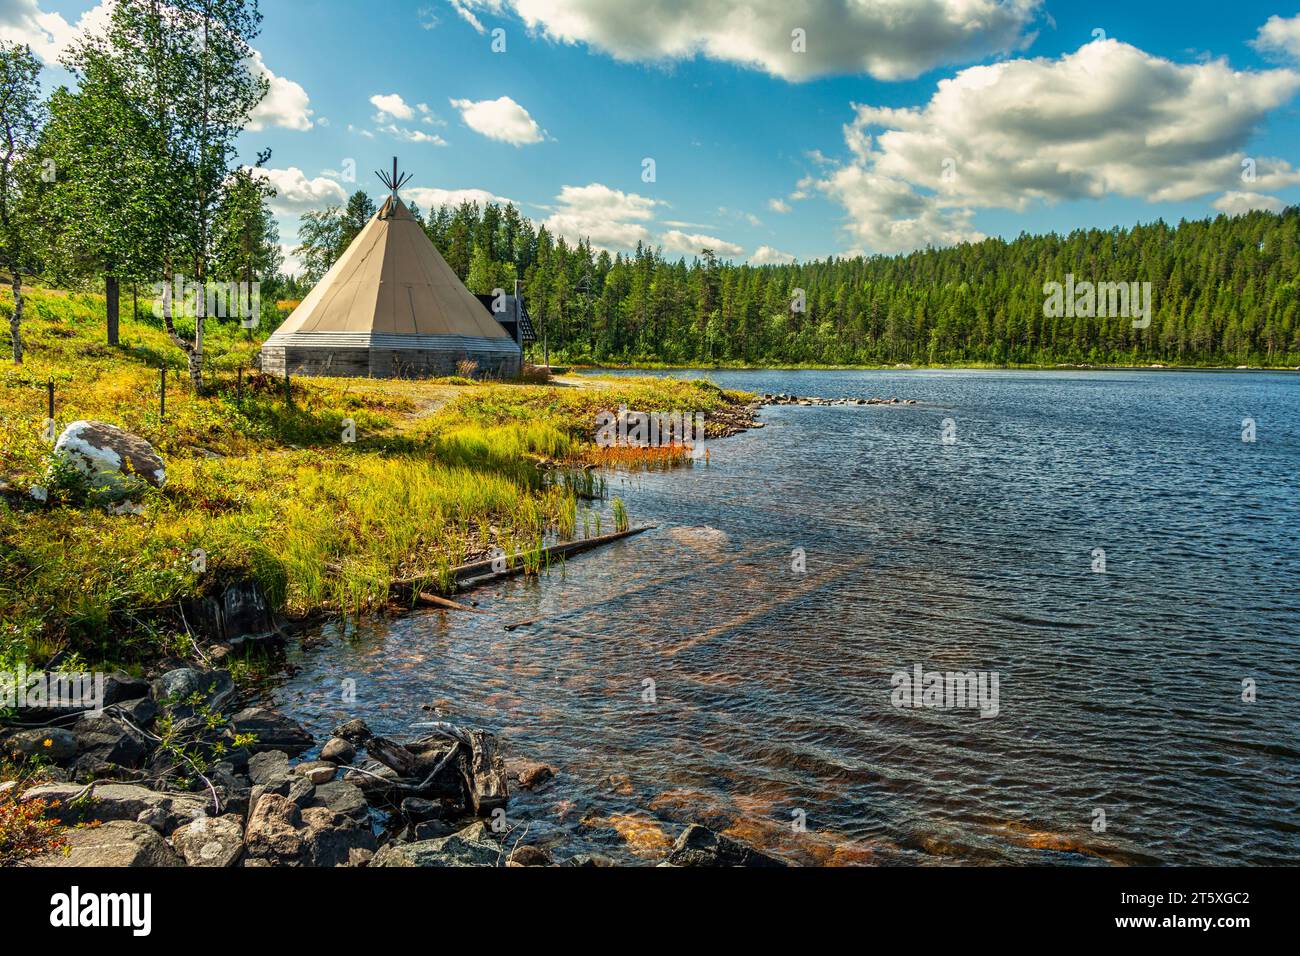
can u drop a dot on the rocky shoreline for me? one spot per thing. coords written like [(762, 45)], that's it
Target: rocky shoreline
[(784, 399), (161, 778)]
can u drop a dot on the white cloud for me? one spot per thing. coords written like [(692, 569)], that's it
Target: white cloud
[(430, 198), (501, 119), (1107, 119), (391, 104), (888, 39), (674, 240), (1238, 203), (1279, 37), (609, 218), (778, 205), (286, 103), (295, 193), (413, 135), (766, 255), (48, 34), (462, 7)]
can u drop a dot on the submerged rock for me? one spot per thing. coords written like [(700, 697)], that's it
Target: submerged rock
[(700, 846)]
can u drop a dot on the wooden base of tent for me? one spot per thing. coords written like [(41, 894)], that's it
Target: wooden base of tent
[(384, 363)]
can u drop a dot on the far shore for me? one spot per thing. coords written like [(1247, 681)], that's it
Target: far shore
[(903, 367)]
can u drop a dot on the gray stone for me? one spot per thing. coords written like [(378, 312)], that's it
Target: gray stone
[(473, 846), (342, 797), (211, 841), (268, 766), (116, 843)]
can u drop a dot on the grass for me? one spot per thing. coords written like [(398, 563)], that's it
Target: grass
[(440, 472)]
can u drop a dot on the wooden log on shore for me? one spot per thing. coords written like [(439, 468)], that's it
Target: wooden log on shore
[(467, 573)]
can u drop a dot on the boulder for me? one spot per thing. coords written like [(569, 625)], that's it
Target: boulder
[(473, 846), (116, 843), (337, 750), (268, 766), (211, 841), (52, 743), (115, 463), (236, 615), (274, 830), (342, 798), (354, 731), (700, 846), (176, 688), (108, 741), (140, 711), (119, 801), (274, 731), (331, 838)]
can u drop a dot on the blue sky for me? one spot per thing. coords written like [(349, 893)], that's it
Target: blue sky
[(976, 117)]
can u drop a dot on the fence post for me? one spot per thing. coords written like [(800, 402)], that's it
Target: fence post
[(49, 394), (288, 391)]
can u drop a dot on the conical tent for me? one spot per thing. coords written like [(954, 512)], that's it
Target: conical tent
[(390, 307)]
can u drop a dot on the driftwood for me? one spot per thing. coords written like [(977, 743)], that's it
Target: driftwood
[(487, 777), (469, 773), (392, 755), (424, 597)]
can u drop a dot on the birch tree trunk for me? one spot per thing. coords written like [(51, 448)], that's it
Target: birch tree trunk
[(16, 319)]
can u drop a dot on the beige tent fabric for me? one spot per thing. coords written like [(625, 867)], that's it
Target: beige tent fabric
[(392, 279)]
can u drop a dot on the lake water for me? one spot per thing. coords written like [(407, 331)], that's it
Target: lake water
[(1120, 734)]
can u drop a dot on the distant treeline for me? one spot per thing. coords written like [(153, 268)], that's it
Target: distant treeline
[(1223, 291)]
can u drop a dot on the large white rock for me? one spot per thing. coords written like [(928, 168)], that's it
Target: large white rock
[(114, 460)]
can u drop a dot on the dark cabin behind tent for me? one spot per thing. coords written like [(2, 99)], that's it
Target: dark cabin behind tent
[(512, 314)]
